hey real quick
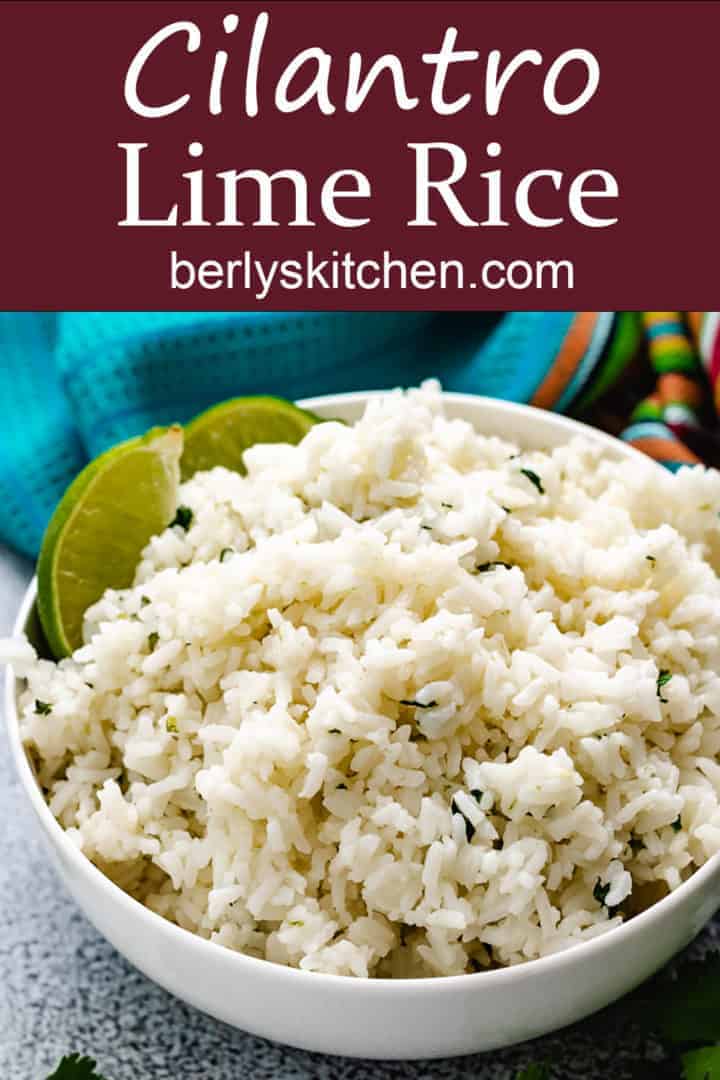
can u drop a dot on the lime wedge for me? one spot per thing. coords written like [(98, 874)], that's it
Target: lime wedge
[(100, 527), (220, 435)]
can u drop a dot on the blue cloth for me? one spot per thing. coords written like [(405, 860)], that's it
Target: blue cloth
[(74, 383)]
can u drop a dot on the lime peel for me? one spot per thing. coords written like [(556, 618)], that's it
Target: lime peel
[(222, 434), (100, 527)]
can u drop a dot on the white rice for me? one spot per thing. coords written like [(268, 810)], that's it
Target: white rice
[(237, 745)]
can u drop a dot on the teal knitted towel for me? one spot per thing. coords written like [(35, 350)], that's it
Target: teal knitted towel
[(73, 383)]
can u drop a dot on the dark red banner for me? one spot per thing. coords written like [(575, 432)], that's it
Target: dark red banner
[(359, 155)]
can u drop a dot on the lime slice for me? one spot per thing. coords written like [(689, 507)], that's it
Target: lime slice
[(220, 435), (100, 527)]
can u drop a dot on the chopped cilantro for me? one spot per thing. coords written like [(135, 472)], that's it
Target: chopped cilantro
[(469, 827), (75, 1067), (534, 479), (417, 704), (507, 509), (42, 708), (662, 680), (171, 724), (183, 517), (482, 568), (296, 922), (600, 892), (153, 639), (676, 826), (225, 552), (447, 506), (428, 527), (144, 601), (651, 559)]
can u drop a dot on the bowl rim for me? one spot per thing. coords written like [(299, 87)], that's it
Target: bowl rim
[(153, 922)]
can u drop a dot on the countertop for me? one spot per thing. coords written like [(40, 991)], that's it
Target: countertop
[(63, 988)]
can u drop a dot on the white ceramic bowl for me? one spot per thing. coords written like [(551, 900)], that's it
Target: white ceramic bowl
[(384, 1018)]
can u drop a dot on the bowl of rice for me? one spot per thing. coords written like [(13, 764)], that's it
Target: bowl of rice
[(406, 743)]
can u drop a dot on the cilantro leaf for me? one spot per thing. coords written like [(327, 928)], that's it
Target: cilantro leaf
[(537, 1071), (662, 680), (469, 827), (703, 1064), (600, 891), (75, 1067), (534, 479), (183, 518), (685, 1010)]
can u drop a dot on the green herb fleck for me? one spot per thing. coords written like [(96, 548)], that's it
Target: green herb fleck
[(417, 704), (447, 506), (144, 601), (662, 680), (482, 568), (469, 827), (153, 639), (42, 708), (334, 731), (171, 724), (428, 527), (600, 892), (75, 1067), (534, 479), (225, 552), (296, 922), (651, 559), (676, 826), (183, 517), (507, 509)]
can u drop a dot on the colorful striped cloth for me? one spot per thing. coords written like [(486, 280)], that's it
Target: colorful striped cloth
[(673, 369)]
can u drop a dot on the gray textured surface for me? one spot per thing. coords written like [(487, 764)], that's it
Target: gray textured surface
[(63, 988)]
